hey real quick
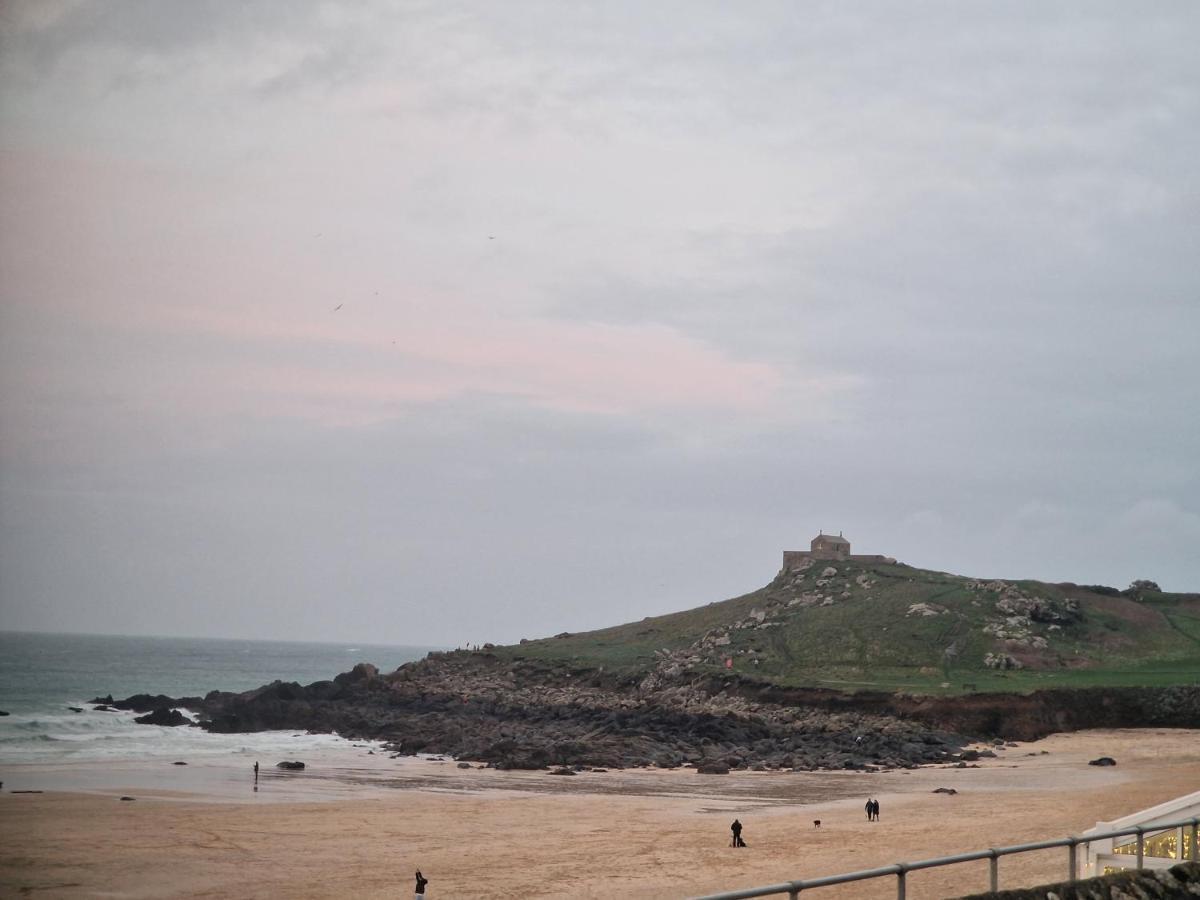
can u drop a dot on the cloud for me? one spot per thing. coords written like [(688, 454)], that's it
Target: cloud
[(668, 289)]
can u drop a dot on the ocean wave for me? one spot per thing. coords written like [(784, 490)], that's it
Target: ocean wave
[(99, 736), (26, 738)]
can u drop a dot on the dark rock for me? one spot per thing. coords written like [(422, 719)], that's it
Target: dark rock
[(179, 763), (464, 765), (970, 755), (164, 716), (944, 791), (129, 798), (1102, 761), (145, 703), (522, 713), (107, 701), (294, 765), (3, 713), (562, 770), (362, 672), (75, 708), (24, 792), (102, 707), (712, 768)]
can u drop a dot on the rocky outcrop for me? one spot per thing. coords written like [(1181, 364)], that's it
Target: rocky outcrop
[(532, 715), (164, 716), (145, 703), (514, 713), (1164, 884)]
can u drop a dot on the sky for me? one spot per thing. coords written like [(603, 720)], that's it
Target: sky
[(444, 323)]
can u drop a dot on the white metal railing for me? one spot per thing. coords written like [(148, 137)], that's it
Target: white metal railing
[(900, 870)]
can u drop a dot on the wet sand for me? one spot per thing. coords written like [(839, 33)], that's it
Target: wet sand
[(355, 825)]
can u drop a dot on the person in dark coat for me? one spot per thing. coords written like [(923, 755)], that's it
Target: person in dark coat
[(870, 808), (421, 882), (875, 810), (736, 828)]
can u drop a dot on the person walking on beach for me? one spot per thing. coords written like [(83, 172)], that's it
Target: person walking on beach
[(875, 810), (870, 808), (421, 882), (736, 828), (256, 772)]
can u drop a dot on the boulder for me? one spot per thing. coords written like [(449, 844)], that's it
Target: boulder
[(464, 765), (179, 763), (562, 770), (129, 798), (362, 672), (293, 765), (945, 791), (1102, 761), (164, 716), (712, 768)]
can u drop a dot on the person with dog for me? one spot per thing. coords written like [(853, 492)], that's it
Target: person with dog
[(736, 828)]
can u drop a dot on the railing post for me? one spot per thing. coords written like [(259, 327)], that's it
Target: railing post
[(1141, 833), (900, 887), (1071, 860), (994, 870)]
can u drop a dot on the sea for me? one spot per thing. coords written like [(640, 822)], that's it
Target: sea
[(44, 678)]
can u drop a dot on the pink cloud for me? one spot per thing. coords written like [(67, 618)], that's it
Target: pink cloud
[(579, 367)]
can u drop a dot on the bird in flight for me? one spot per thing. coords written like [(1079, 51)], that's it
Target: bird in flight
[(339, 306)]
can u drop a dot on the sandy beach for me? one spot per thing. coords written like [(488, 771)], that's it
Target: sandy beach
[(358, 825)]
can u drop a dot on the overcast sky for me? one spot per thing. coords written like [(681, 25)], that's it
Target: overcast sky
[(441, 322)]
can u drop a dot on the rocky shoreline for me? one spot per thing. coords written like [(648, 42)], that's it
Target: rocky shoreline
[(526, 714)]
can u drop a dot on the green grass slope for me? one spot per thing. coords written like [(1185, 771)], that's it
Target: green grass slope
[(854, 626)]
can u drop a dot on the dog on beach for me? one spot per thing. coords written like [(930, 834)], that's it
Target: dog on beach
[(816, 823)]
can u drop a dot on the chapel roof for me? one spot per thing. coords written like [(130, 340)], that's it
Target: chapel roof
[(838, 539)]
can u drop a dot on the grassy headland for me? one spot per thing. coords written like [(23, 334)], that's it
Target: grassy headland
[(854, 626)]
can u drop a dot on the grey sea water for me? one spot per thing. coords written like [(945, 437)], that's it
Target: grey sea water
[(43, 675)]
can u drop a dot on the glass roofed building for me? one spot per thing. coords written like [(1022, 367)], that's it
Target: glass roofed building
[(1161, 847)]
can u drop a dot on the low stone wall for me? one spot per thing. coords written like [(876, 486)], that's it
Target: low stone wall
[(1182, 881), (793, 558)]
